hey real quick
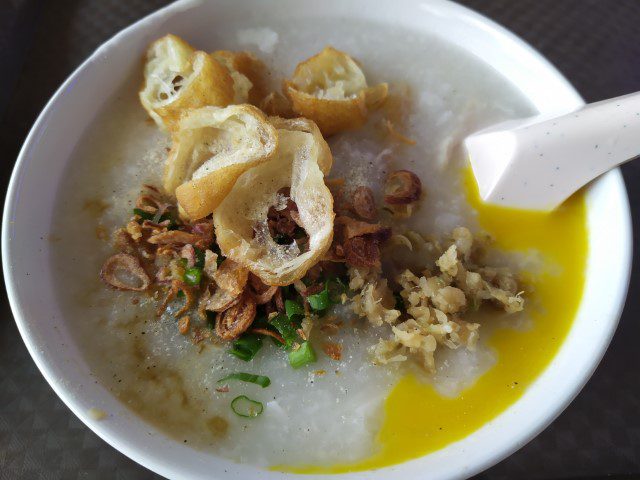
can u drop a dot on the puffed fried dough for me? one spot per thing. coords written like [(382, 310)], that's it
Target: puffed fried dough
[(177, 77), (212, 147), (251, 67), (241, 219), (319, 148), (331, 89), (241, 84)]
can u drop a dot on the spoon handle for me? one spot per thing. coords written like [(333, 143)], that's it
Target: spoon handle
[(539, 162)]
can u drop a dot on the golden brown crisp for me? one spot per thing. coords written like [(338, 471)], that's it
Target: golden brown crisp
[(177, 78), (242, 223), (211, 149), (249, 66), (331, 89)]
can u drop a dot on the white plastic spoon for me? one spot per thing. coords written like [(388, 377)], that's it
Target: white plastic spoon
[(536, 163)]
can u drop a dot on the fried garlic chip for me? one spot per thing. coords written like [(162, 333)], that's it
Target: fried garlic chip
[(242, 229), (248, 72), (177, 77), (211, 148), (330, 89)]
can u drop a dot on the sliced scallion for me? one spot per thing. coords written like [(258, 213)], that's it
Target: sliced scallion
[(293, 308), (286, 329), (192, 276), (143, 214), (243, 406), (330, 295), (247, 377), (246, 347), (319, 301), (302, 356)]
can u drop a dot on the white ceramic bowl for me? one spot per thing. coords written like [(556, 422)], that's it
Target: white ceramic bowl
[(34, 185)]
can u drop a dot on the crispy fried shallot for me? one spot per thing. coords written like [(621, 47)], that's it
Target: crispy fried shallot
[(234, 321), (221, 300), (183, 325), (189, 298), (362, 251), (333, 350), (231, 277), (173, 237), (402, 187), (266, 295), (123, 271), (278, 300), (355, 228), (123, 241), (363, 203), (189, 254)]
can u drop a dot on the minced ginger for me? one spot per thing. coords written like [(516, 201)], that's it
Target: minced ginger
[(434, 303)]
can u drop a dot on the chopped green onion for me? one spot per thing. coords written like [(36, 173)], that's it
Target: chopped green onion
[(199, 257), (292, 308), (331, 295), (192, 276), (247, 377), (246, 347), (285, 329), (302, 356), (243, 406), (143, 214), (319, 301), (180, 294)]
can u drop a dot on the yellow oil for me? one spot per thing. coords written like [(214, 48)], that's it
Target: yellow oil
[(417, 419)]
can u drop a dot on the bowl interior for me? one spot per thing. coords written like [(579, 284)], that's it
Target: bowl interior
[(46, 153)]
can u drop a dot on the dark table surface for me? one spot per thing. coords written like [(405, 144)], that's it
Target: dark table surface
[(593, 42)]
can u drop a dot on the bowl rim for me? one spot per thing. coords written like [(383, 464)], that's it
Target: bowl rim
[(161, 465)]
